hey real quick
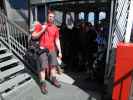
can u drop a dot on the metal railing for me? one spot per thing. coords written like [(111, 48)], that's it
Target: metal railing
[(13, 36)]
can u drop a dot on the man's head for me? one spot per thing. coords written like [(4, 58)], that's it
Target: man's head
[(51, 16)]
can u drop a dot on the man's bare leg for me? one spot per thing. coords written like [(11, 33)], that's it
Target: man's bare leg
[(53, 74), (43, 81)]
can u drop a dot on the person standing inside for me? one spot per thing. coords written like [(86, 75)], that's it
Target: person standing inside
[(49, 38)]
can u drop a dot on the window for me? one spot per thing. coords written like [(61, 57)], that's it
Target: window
[(91, 17), (58, 18), (70, 20), (81, 16), (102, 16)]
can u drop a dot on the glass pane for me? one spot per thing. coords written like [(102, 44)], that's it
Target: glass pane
[(102, 15), (70, 20), (58, 18), (81, 16), (91, 16)]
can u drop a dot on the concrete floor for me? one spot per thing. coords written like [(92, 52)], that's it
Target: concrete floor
[(82, 89)]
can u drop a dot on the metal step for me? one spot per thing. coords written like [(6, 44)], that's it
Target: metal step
[(10, 84), (11, 71), (8, 62), (6, 55), (27, 91)]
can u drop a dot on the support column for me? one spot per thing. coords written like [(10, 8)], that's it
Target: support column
[(36, 13), (64, 19), (31, 20), (96, 19), (46, 12), (86, 17), (76, 18)]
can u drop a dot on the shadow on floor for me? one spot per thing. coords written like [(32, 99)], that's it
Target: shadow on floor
[(93, 87)]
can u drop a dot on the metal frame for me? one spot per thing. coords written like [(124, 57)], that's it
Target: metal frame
[(110, 32)]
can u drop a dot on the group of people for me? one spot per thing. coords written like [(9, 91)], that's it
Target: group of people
[(48, 37), (93, 45), (84, 46)]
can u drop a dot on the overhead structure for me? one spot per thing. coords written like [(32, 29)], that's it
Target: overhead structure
[(39, 8)]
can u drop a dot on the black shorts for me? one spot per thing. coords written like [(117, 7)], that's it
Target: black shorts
[(48, 59)]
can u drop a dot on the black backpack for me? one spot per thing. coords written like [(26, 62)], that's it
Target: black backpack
[(33, 52)]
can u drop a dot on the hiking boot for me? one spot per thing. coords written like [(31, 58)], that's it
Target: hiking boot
[(55, 82), (44, 88)]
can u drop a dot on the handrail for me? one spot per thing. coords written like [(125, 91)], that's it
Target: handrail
[(18, 27), (12, 35)]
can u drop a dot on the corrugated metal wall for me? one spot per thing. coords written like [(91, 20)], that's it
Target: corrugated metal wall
[(118, 25), (120, 21)]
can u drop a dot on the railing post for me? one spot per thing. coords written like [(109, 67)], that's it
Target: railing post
[(8, 35)]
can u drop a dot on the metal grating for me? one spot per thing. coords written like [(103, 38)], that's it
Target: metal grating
[(120, 21)]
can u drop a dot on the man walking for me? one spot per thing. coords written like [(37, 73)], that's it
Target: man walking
[(48, 38)]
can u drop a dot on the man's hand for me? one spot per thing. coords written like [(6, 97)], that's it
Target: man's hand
[(45, 27), (60, 55)]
